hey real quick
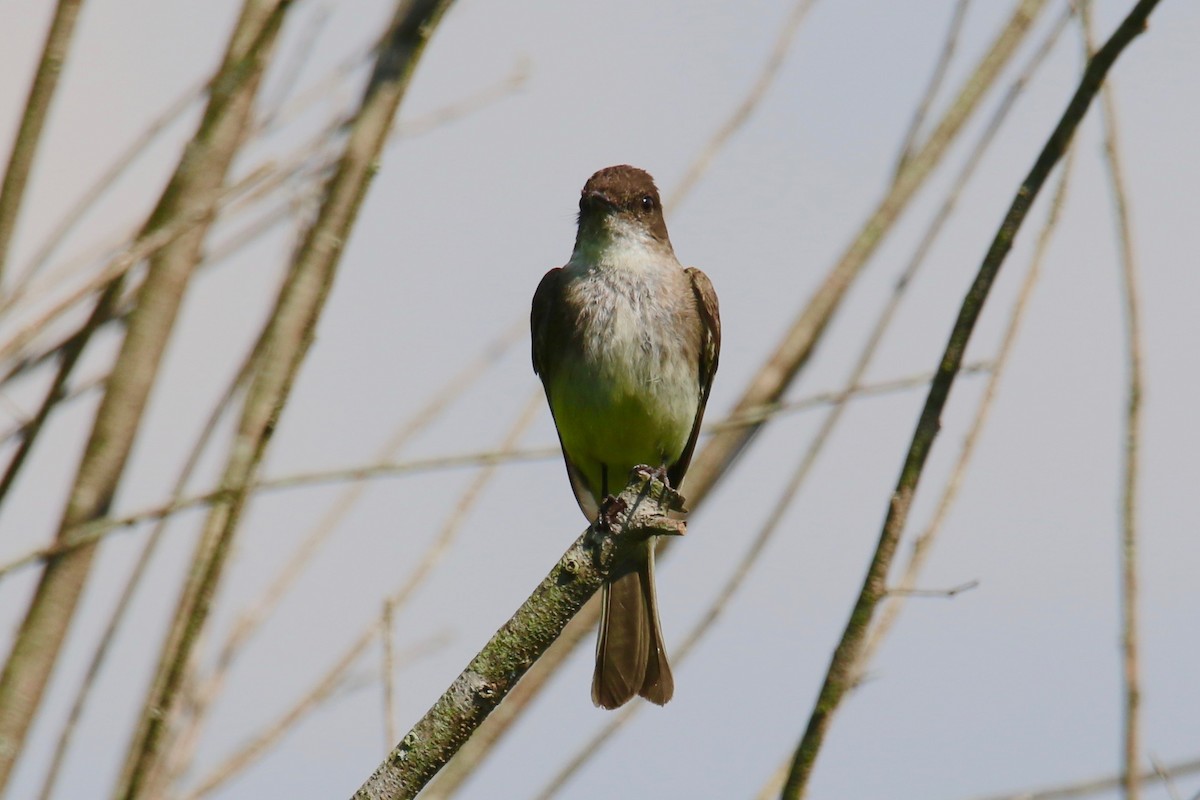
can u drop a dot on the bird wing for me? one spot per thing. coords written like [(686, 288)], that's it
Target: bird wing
[(547, 324), (710, 351)]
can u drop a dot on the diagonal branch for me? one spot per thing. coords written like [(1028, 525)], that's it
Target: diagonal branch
[(839, 677), (191, 192), (29, 135), (642, 510), (1104, 784), (286, 342)]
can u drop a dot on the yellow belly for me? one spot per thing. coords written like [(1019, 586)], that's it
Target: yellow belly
[(608, 425)]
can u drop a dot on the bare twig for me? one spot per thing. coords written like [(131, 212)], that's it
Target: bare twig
[(923, 545), (468, 105), (192, 191), (734, 122), (211, 686), (1131, 702), (935, 84), (840, 674), (387, 637), (262, 608), (132, 584), (258, 611), (68, 358), (798, 343), (262, 742), (29, 134), (292, 68), (1107, 783), (98, 529), (102, 184), (156, 237), (1168, 780), (81, 389), (288, 337), (953, 591)]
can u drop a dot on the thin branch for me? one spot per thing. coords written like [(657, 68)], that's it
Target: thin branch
[(249, 623), (101, 528), (156, 237), (798, 343), (1164, 774), (387, 637), (263, 741), (839, 677), (29, 134), (1130, 291), (100, 187), (82, 389), (744, 110), (68, 359), (262, 608), (1092, 786), (258, 611), (289, 335), (953, 591), (192, 191), (923, 545), (133, 582), (292, 68), (481, 98), (643, 508), (935, 84)]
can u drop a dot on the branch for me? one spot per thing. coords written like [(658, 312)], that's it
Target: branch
[(29, 135), (923, 545), (909, 143), (839, 677), (1106, 783), (101, 528), (290, 332), (139, 571), (97, 190), (191, 191), (642, 511), (253, 617), (1130, 293), (799, 342), (740, 115)]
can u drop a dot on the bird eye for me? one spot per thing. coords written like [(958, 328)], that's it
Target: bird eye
[(647, 202)]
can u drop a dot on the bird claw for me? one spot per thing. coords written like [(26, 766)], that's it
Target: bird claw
[(668, 497)]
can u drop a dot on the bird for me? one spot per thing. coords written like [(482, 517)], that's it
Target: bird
[(626, 342)]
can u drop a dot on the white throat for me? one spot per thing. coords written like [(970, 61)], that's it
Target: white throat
[(622, 246)]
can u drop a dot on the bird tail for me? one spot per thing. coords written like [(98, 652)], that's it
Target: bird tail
[(630, 656)]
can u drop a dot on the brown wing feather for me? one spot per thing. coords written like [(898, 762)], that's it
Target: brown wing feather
[(710, 351), (545, 324)]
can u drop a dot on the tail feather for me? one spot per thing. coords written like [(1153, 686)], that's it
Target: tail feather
[(630, 656)]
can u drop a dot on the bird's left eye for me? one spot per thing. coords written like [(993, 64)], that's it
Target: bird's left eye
[(647, 202)]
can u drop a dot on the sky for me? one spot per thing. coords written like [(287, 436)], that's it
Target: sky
[(1011, 685)]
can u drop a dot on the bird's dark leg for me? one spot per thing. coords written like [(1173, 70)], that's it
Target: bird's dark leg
[(610, 506), (661, 474)]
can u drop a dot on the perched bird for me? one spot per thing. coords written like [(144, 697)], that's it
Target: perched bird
[(625, 340)]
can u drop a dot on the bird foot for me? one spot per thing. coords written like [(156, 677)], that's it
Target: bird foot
[(668, 497), (610, 508)]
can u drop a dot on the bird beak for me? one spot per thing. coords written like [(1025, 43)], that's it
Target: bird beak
[(598, 200)]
